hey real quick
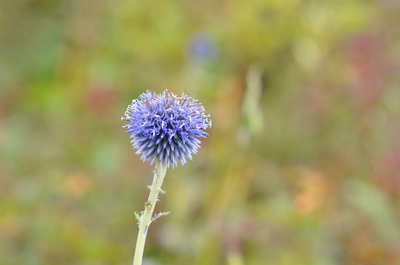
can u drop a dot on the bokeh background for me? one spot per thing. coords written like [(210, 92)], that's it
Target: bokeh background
[(302, 165)]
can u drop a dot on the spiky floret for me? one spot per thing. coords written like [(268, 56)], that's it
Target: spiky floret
[(166, 127)]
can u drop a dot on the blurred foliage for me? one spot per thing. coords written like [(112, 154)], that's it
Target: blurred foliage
[(302, 165)]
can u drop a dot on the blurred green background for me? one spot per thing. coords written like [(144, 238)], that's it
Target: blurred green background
[(302, 165)]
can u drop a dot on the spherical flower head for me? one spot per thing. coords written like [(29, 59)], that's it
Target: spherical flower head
[(166, 127)]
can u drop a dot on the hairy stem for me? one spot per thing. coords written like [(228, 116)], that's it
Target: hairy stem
[(146, 216)]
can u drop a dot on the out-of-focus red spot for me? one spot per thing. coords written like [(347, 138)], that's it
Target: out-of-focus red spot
[(100, 97), (369, 64), (388, 171)]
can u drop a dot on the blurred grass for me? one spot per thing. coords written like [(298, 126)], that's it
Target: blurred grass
[(302, 164)]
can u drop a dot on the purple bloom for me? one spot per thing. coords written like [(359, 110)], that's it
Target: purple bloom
[(166, 127)]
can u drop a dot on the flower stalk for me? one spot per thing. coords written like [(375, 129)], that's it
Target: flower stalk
[(145, 218)]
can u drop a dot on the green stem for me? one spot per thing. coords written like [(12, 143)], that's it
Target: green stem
[(146, 217)]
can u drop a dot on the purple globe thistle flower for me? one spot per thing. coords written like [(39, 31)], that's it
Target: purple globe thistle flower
[(166, 127)]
